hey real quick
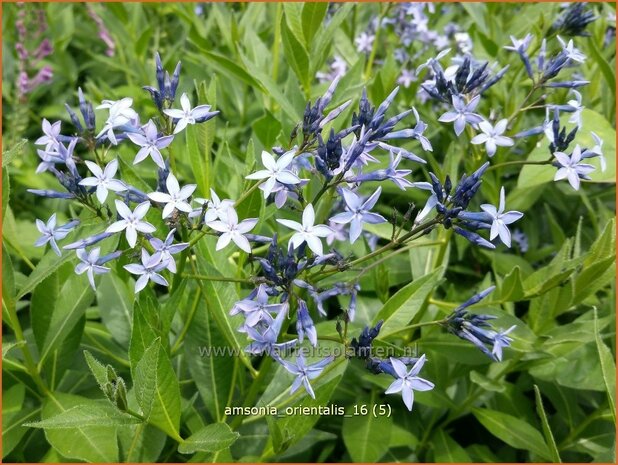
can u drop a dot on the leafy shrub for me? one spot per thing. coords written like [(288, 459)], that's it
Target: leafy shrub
[(385, 229)]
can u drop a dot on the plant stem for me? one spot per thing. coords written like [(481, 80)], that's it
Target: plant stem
[(217, 278), (246, 194), (418, 325), (519, 162), (185, 328), (376, 42), (23, 345), (392, 254)]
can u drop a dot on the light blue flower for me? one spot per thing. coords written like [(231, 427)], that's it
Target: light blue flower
[(232, 230), (175, 198), (167, 248), (492, 136), (571, 167), (189, 115), (275, 171), (50, 233), (50, 135), (90, 264), (103, 179), (500, 220), (407, 381), (120, 114), (358, 212), (308, 231), (132, 221), (462, 113), (501, 340), (259, 309), (148, 270), (304, 372), (150, 144)]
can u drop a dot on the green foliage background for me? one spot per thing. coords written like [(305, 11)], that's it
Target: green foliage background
[(552, 399)]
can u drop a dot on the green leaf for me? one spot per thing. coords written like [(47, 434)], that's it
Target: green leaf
[(447, 450), (211, 438), (6, 191), (399, 310), (312, 19), (115, 302), (157, 390), (549, 436), (73, 299), (94, 413), (219, 298), (324, 41), (366, 437), (225, 66), (593, 278), (48, 264), (608, 368), (267, 129), (486, 383), (210, 362), (9, 155), (269, 87), (200, 138), (294, 20), (478, 12), (296, 55), (86, 443), (512, 288), (145, 329), (141, 443), (607, 71), (42, 305), (8, 284), (13, 430), (513, 431), (97, 368)]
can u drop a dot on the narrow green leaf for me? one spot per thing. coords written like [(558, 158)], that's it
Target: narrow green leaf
[(312, 19), (296, 55), (72, 302), (6, 191), (9, 155), (97, 368), (399, 310), (219, 298), (85, 443), (95, 413), (271, 88), (512, 288), (366, 437), (115, 301), (294, 20), (513, 431), (608, 368), (48, 264), (446, 449), (549, 436), (211, 438), (157, 390), (607, 71), (210, 362), (145, 329), (8, 283)]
